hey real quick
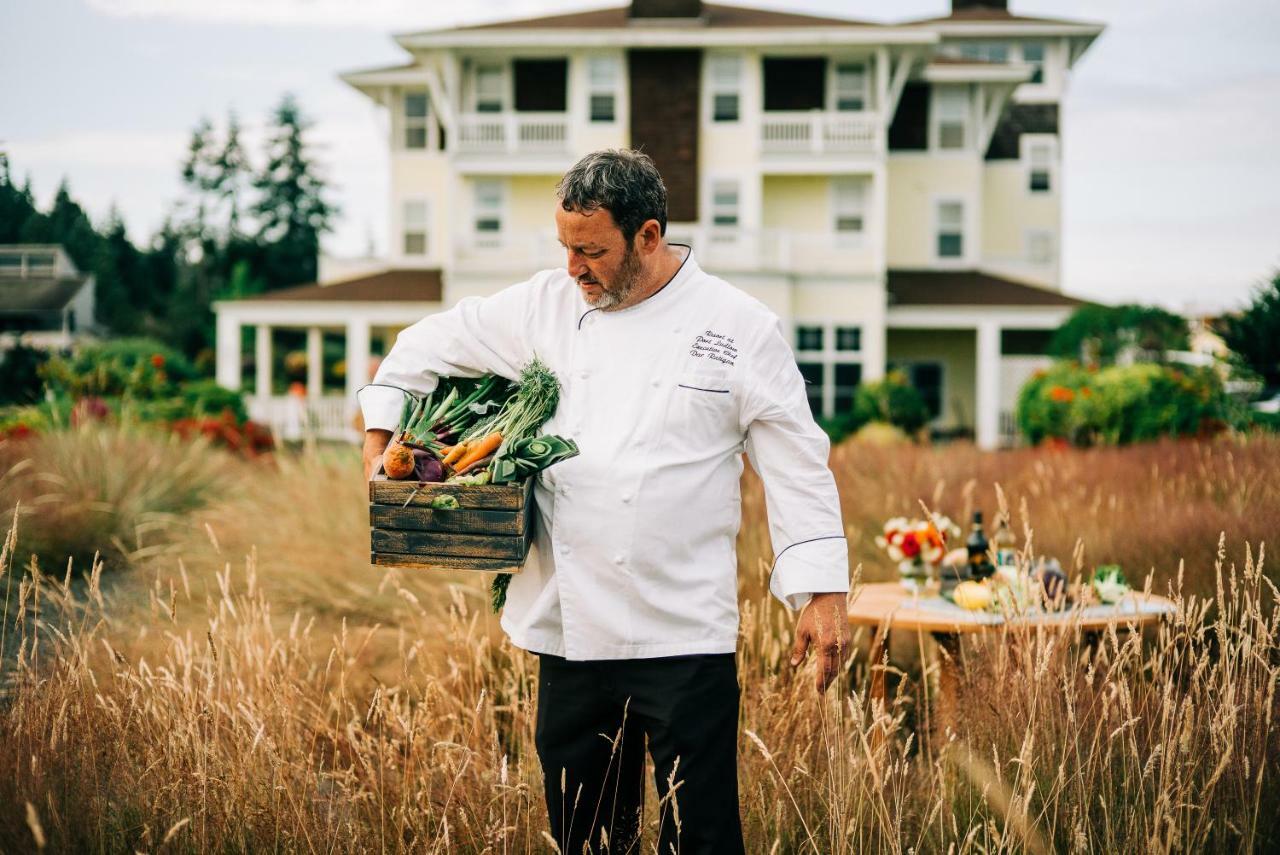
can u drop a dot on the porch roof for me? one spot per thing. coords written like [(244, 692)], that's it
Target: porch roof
[(968, 288), (389, 286), (713, 15), (38, 293)]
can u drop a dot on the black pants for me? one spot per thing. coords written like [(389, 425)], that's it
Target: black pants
[(593, 718)]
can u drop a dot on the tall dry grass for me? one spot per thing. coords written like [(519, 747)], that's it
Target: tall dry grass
[(267, 690)]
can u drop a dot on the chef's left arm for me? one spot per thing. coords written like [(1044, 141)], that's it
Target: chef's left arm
[(790, 452)]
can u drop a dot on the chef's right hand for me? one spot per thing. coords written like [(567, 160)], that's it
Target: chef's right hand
[(375, 442)]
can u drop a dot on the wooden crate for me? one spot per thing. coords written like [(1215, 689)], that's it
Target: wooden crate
[(490, 530)]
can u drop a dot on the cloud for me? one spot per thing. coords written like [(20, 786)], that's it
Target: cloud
[(372, 14)]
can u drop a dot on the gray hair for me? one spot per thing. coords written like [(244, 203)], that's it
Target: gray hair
[(623, 182)]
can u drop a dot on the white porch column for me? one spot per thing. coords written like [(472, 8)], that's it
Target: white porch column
[(315, 362), (227, 347), (262, 362), (988, 382), (357, 355)]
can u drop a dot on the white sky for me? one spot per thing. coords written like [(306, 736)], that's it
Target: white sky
[(1171, 126)]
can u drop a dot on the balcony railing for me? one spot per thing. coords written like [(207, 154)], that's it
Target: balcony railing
[(720, 249), (820, 132), (513, 133)]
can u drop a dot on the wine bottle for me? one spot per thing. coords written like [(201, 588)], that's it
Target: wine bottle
[(980, 566), (1006, 553)]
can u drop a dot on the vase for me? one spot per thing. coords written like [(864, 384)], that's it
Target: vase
[(914, 574)]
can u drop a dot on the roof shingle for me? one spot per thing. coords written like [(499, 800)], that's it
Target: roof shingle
[(967, 288), (389, 286)]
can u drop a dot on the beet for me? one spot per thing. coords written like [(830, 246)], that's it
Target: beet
[(426, 468)]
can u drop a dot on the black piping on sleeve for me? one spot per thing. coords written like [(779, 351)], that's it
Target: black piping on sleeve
[(800, 542)]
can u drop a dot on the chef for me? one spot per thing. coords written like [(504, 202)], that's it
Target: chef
[(629, 598)]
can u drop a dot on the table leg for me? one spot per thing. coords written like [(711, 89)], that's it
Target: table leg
[(950, 669)]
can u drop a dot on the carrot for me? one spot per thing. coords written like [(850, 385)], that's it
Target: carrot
[(452, 455), (477, 451)]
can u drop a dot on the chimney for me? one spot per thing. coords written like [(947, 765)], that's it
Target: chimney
[(666, 9), (962, 5)]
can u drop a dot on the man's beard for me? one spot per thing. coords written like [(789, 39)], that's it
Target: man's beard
[(623, 285)]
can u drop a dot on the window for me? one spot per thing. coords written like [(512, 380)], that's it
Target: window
[(602, 82), (415, 120), (950, 229), (1040, 246), (414, 227), (831, 374), (809, 338), (926, 377), (1039, 157), (849, 338), (724, 204), (490, 83), (726, 85), (848, 203), (951, 117), (851, 87), (847, 377), (540, 85), (1033, 55), (985, 51), (487, 213)]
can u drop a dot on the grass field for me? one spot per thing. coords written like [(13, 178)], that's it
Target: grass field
[(234, 676)]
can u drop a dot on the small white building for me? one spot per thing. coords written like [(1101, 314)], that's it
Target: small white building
[(45, 301), (892, 192)]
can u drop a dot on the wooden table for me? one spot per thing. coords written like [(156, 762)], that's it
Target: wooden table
[(886, 606)]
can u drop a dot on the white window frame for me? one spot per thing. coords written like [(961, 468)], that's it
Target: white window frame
[(409, 226), (849, 195), (504, 101), (828, 356), (718, 189), (604, 79), (964, 116), (1030, 237), (1027, 145), (409, 123), (724, 77), (488, 239), (966, 237), (833, 84)]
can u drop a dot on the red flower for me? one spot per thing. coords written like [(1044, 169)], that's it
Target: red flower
[(910, 546), (1061, 395), (157, 360)]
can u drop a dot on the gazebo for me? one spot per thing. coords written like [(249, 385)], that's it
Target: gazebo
[(364, 310)]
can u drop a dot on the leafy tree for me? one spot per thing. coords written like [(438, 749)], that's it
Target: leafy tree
[(292, 208), (1254, 334), (1099, 335)]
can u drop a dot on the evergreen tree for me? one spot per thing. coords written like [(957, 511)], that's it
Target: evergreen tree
[(200, 176), (16, 205), (68, 225), (1254, 334), (230, 177), (292, 208), (120, 298)]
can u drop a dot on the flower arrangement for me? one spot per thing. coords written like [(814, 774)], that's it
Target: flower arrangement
[(917, 545)]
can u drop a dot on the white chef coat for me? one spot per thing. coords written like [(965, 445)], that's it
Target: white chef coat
[(634, 555)]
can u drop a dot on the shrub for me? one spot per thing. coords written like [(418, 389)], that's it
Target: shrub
[(1123, 404), (20, 381), (112, 489), (892, 400), (133, 367)]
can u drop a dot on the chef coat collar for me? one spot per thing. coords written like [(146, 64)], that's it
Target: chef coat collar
[(687, 270)]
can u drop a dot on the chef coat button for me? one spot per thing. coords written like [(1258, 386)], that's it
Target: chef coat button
[(655, 383), (564, 491), (626, 498), (619, 560), (584, 374), (564, 549)]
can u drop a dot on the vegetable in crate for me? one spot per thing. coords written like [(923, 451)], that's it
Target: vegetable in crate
[(398, 461), (1109, 583)]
